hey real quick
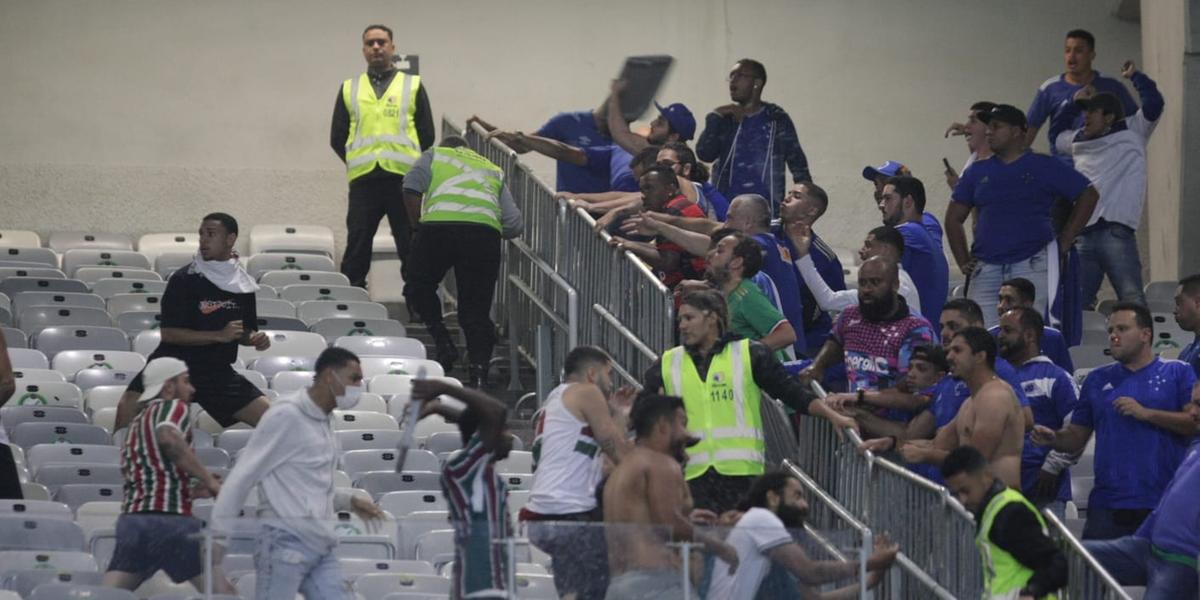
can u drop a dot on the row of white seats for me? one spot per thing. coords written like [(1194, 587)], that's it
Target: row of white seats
[(85, 262), (263, 238)]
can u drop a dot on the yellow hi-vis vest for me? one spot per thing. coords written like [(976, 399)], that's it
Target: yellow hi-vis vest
[(382, 131), (724, 409), (1003, 576), (464, 187)]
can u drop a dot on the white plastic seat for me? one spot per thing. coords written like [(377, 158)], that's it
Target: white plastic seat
[(290, 381), (42, 455), (1160, 290), (70, 362), (302, 292), (353, 567), (25, 300), (356, 462), (28, 435), (62, 241), (37, 318), (11, 417), (346, 420), (78, 494), (272, 261), (145, 342), (1090, 356), (292, 238), (403, 503), (39, 272), (46, 394), (39, 533), (334, 328), (54, 476), (266, 291), (375, 586), (281, 324), (79, 591), (281, 279), (26, 358), (74, 259), (153, 244), (436, 546), (92, 275), (314, 310), (15, 338), (382, 346), (106, 418), (286, 343), (443, 441), (368, 439), (122, 303), (53, 560), (378, 483), (87, 379), (108, 287), (133, 323), (97, 516), (267, 307), (31, 255), (20, 238), (270, 365), (41, 508), (38, 375), (52, 340), (167, 263), (102, 396), (11, 286), (255, 378), (213, 458)]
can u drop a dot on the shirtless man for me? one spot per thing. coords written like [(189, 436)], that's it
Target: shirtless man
[(991, 420), (646, 506)]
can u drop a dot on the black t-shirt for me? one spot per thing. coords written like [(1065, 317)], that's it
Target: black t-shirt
[(191, 301)]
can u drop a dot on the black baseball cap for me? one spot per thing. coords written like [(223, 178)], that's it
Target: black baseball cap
[(1005, 113), (1104, 102)]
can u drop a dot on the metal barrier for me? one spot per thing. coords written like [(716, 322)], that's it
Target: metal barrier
[(1086, 578)]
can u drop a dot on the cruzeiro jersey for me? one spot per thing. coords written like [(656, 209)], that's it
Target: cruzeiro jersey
[(152, 482)]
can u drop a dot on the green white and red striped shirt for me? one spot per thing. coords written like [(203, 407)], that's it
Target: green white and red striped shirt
[(152, 482)]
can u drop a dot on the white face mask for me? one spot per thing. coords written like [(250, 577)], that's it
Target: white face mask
[(349, 399)]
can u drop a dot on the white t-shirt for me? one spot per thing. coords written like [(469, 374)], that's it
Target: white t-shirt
[(758, 532)]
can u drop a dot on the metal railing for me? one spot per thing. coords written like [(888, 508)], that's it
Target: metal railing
[(594, 293), (1086, 578)]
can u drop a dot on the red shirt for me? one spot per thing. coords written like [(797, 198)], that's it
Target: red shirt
[(690, 267)]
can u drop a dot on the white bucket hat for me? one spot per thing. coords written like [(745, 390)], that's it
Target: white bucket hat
[(157, 373)]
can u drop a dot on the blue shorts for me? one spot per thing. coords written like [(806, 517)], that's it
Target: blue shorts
[(147, 542)]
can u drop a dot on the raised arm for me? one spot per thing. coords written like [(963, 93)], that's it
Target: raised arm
[(608, 423), (545, 146), (816, 572), (489, 412), (692, 242), (618, 127)]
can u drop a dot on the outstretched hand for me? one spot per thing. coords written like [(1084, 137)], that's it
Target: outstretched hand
[(1129, 69)]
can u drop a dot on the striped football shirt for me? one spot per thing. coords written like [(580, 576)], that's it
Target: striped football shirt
[(478, 502), (152, 482)]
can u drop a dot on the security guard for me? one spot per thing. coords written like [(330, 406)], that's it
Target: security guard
[(1019, 558), (381, 123), (463, 209), (721, 378)]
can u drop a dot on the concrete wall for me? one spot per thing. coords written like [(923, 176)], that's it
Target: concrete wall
[(136, 116)]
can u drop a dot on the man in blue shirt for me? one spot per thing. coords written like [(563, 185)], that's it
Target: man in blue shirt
[(1187, 315), (805, 203), (1135, 406), (579, 129), (1162, 554), (1056, 94), (1018, 292), (750, 141), (1015, 191), (1045, 479), (879, 176), (902, 202)]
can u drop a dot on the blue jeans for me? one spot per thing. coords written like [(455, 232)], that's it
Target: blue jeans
[(286, 565), (986, 280), (1111, 249), (1131, 562)]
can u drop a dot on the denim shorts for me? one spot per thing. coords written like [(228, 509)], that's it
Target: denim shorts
[(147, 542)]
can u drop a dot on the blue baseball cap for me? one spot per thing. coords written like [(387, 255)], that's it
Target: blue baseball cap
[(680, 118), (890, 168)]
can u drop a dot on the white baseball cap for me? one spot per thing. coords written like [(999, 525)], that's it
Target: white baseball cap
[(157, 373)]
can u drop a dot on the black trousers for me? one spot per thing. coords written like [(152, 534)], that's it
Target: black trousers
[(473, 251), (10, 482), (371, 197)]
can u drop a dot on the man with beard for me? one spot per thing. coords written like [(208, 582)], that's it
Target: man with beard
[(647, 506), (1187, 315), (902, 203), (1136, 407), (1019, 558), (1045, 479), (882, 242), (876, 338), (721, 379), (1019, 292), (991, 420), (774, 508)]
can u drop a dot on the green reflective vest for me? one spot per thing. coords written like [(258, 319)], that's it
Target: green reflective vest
[(1003, 575), (724, 410), (464, 187), (382, 131)]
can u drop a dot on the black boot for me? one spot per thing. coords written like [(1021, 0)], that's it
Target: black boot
[(447, 352), (477, 376)]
